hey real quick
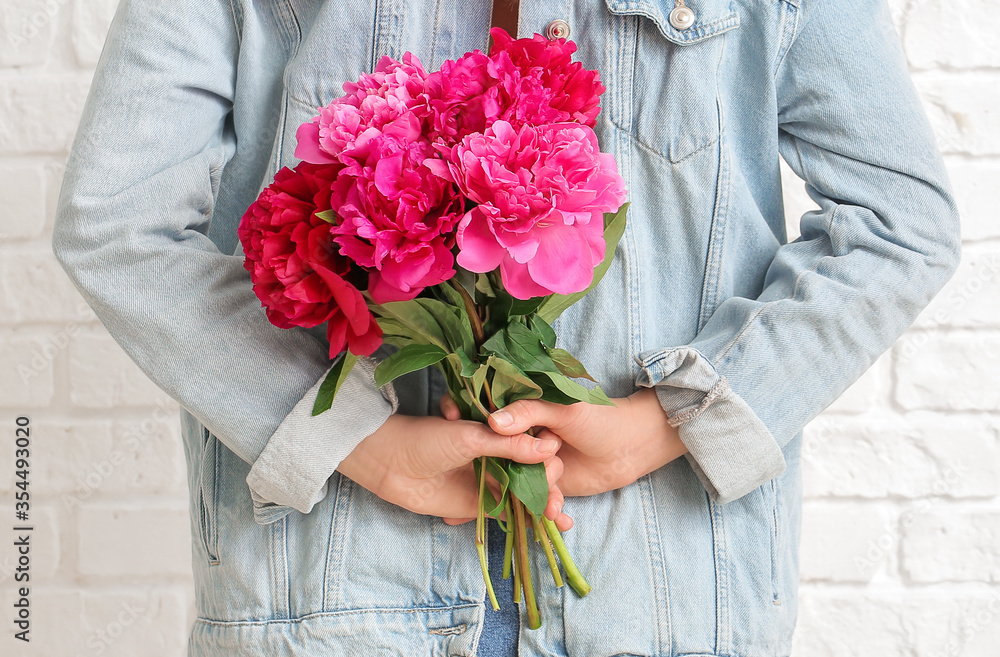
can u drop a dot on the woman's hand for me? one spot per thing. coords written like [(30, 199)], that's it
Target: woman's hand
[(603, 447), (424, 464)]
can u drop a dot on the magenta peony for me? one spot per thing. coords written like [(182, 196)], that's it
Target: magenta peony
[(294, 264), (542, 193), (540, 83), (394, 216)]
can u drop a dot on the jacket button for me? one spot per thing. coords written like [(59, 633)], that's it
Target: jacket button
[(681, 17), (557, 29)]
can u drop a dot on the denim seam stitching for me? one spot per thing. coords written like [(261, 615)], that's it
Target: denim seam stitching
[(659, 153), (323, 614)]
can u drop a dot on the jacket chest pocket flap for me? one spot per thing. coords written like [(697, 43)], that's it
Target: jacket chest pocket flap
[(673, 106)]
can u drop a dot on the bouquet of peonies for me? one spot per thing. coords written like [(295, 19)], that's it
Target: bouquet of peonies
[(453, 215)]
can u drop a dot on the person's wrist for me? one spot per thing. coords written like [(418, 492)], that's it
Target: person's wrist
[(650, 423)]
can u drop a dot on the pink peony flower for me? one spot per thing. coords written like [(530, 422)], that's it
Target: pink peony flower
[(462, 98), (294, 264), (394, 216), (540, 83), (542, 193)]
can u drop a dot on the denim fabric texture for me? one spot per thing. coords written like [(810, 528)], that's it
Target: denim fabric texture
[(744, 336)]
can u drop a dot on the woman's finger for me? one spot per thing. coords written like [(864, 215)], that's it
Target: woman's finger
[(449, 409)]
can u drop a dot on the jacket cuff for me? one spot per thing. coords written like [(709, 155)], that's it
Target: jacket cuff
[(293, 470), (729, 448)]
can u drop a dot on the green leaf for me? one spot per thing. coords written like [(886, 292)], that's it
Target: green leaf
[(496, 469), (331, 384), (542, 329), (411, 319), (528, 482), (457, 332), (408, 359), (329, 216), (569, 365), (575, 391), (525, 306), (526, 348), (614, 228), (473, 410), (483, 286), (510, 383)]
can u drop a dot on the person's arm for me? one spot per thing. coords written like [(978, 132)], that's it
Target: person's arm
[(134, 210), (884, 241)]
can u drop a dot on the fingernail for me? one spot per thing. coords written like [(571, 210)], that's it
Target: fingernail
[(502, 418), (546, 445)]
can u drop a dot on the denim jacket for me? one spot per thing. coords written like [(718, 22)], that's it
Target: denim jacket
[(744, 336)]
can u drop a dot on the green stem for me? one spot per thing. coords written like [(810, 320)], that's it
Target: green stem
[(540, 536), (481, 535), (470, 310), (534, 618), (509, 542), (573, 575)]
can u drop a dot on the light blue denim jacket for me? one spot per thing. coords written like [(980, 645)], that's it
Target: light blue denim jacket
[(745, 337)]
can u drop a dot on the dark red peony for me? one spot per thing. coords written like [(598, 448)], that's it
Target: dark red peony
[(297, 271)]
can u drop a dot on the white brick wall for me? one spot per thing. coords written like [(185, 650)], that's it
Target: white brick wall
[(901, 536)]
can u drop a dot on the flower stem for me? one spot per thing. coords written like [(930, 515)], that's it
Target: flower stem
[(481, 535), (542, 538), (573, 575), (534, 618), (509, 542), (471, 311)]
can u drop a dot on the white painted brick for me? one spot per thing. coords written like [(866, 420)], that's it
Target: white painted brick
[(962, 111), (975, 184), (34, 288), (971, 299), (79, 459), (26, 372), (921, 455), (844, 542), (70, 622), (117, 542), (870, 391), (91, 20), (934, 30), (849, 624), (943, 621), (949, 544), (948, 370), (45, 553), (27, 126), (103, 376), (796, 200), (22, 189), (27, 28)]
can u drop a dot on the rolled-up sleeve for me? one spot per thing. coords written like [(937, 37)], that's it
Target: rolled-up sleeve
[(138, 195), (884, 240)]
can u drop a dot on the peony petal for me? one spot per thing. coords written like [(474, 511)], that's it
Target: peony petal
[(518, 282), (308, 148), (565, 260), (479, 250)]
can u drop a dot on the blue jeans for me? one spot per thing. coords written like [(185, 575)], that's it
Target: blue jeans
[(500, 629)]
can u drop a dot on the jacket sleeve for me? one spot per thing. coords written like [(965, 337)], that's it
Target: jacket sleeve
[(883, 242), (131, 231)]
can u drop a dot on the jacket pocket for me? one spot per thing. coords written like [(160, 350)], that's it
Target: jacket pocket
[(775, 540), (671, 104), (208, 497)]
